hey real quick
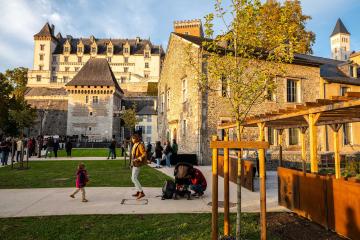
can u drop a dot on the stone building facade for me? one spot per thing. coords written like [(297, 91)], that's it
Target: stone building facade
[(134, 63), (192, 116)]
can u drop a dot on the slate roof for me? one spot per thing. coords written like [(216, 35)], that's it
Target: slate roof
[(43, 91), (135, 48), (46, 31), (96, 72), (328, 67), (147, 110), (339, 28), (332, 73)]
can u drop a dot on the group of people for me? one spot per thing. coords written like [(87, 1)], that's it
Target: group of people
[(139, 158), (164, 154)]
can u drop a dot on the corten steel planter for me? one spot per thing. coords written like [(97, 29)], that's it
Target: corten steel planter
[(333, 203), (247, 179)]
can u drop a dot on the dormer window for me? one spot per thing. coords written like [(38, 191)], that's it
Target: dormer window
[(351, 70), (80, 49), (126, 50), (109, 50), (93, 50), (66, 49)]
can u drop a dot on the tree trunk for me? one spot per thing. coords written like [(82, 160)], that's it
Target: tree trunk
[(238, 184)]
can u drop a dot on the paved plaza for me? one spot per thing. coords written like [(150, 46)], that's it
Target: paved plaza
[(118, 200)]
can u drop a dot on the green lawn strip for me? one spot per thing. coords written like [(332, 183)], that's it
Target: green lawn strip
[(54, 174), (89, 152), (154, 226)]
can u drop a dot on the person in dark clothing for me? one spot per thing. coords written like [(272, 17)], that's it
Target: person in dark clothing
[(158, 154), (198, 182), (112, 150), (40, 142), (56, 147), (5, 150), (123, 148), (68, 148), (167, 153), (174, 148), (148, 150), (49, 147)]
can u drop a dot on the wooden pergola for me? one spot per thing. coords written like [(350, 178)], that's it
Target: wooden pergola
[(333, 112)]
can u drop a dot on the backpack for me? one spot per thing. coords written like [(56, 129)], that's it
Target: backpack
[(168, 189)]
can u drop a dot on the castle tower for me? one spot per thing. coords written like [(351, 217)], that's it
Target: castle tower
[(340, 42), (189, 27)]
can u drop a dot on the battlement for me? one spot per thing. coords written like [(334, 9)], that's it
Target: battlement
[(190, 27)]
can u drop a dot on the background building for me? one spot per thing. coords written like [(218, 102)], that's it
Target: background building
[(135, 65)]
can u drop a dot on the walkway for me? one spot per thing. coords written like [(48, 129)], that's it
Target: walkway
[(118, 200)]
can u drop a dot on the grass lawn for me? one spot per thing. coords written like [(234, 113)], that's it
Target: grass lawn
[(102, 173), (89, 152), (144, 227)]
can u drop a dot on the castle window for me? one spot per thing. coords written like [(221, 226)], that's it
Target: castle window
[(76, 69), (184, 126), (38, 78), (346, 133), (148, 129), (54, 79), (270, 136), (54, 59), (184, 90), (66, 59), (41, 67), (95, 100), (146, 65), (148, 118), (80, 49), (42, 47), (109, 59), (53, 69), (109, 50), (292, 90), (89, 128), (126, 59), (126, 50), (67, 69), (147, 54), (186, 33), (126, 69), (79, 59), (293, 136), (93, 50), (123, 79), (344, 90), (87, 100), (65, 79), (41, 57), (146, 75), (66, 49)]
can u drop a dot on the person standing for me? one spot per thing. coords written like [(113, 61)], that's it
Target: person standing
[(40, 145), (148, 150), (175, 148), (138, 154), (112, 149), (157, 154), (68, 148), (30, 144), (56, 147), (49, 147), (19, 147), (5, 150), (167, 153)]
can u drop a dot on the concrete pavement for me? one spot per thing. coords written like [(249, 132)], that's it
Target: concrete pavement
[(118, 200)]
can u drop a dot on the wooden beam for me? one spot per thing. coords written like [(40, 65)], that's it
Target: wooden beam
[(262, 174), (214, 194), (336, 128), (312, 118), (239, 144), (303, 147), (226, 188)]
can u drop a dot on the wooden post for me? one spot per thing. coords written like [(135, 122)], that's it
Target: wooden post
[(226, 188), (262, 183), (303, 147), (214, 219), (312, 119), (336, 128), (280, 133)]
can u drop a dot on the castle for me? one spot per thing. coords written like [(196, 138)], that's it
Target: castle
[(128, 70)]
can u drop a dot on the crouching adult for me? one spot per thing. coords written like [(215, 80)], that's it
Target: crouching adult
[(138, 159), (197, 182)]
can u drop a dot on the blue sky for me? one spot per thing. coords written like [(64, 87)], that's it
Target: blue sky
[(21, 19)]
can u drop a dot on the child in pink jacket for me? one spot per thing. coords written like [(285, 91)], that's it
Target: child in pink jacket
[(81, 180)]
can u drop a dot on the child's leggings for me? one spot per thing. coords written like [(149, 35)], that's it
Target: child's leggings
[(82, 192)]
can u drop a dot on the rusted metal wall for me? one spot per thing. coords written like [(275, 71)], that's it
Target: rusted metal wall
[(247, 180), (333, 203)]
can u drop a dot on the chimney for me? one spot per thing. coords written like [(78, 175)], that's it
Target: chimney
[(52, 29)]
